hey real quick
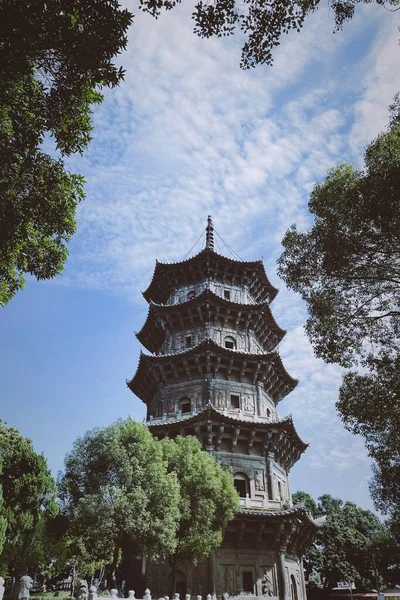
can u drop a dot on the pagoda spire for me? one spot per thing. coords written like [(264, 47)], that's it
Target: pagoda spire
[(209, 234)]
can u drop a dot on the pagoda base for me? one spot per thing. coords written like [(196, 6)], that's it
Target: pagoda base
[(243, 567)]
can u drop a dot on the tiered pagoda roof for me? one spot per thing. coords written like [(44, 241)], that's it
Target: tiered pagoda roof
[(292, 528), (210, 359), (278, 436), (209, 265), (205, 308)]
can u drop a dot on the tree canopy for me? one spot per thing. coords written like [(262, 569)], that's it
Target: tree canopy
[(261, 23), (54, 59), (28, 496), (127, 494), (208, 500), (352, 545), (347, 269), (116, 492)]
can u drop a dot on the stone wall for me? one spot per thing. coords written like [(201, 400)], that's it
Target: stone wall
[(236, 293), (251, 400)]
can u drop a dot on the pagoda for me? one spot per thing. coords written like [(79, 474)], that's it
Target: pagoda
[(214, 372)]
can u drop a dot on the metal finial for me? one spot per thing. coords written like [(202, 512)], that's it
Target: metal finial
[(209, 234)]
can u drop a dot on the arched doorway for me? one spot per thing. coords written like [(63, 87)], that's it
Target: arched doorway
[(293, 588), (181, 586)]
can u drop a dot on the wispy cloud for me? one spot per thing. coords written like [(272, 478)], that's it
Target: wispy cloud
[(189, 134)]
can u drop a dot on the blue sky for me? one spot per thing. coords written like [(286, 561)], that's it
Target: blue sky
[(186, 135)]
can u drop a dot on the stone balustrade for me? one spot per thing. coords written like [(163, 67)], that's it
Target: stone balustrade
[(93, 595)]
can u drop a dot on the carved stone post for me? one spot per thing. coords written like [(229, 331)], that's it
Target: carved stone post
[(93, 592), (282, 574), (269, 457)]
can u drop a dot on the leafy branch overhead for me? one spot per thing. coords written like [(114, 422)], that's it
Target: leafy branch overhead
[(347, 269), (54, 59), (262, 22)]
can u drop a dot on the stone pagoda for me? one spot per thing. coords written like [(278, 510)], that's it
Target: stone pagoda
[(214, 372)]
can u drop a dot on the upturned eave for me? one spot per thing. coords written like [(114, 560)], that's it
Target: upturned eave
[(209, 264), (278, 436), (202, 308), (210, 359)]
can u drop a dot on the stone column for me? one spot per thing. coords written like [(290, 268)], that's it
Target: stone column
[(302, 579), (259, 399), (269, 458), (282, 575)]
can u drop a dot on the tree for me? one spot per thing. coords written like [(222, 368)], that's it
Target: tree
[(117, 493), (351, 545), (54, 59), (208, 500), (347, 269), (3, 519), (369, 405), (28, 497), (263, 23)]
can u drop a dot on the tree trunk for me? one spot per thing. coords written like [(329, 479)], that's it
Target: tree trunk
[(112, 578), (174, 567)]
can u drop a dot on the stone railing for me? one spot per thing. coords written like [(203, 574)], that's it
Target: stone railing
[(93, 595)]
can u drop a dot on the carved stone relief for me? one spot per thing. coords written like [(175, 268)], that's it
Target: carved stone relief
[(198, 401), (220, 399), (268, 582), (228, 579), (248, 403), (259, 481)]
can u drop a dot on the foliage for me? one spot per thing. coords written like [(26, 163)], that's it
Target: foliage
[(263, 24), (54, 58), (208, 500), (347, 269), (116, 490), (352, 545), (3, 519), (28, 498), (369, 405)]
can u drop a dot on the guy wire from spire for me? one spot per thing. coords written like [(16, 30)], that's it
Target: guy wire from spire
[(196, 242), (227, 245)]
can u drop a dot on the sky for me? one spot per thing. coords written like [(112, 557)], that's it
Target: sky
[(189, 134)]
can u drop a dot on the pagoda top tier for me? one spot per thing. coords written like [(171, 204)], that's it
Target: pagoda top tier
[(209, 265)]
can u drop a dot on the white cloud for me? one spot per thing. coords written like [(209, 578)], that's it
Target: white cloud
[(189, 134)]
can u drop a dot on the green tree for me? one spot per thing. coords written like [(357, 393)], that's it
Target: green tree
[(54, 59), (208, 500), (347, 269), (117, 494), (28, 497), (3, 519), (351, 545), (263, 24)]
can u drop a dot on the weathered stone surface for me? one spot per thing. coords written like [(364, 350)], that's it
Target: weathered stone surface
[(25, 584), (211, 377)]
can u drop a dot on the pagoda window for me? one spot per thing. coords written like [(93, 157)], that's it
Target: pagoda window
[(227, 294), (188, 341), (268, 413), (185, 405), (241, 483), (230, 342), (235, 401), (190, 295)]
